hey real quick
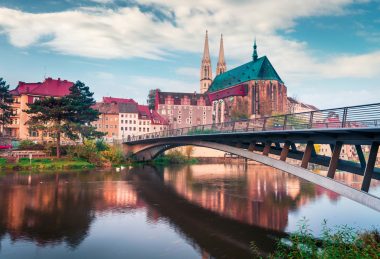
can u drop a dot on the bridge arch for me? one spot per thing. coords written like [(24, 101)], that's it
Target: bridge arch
[(150, 151)]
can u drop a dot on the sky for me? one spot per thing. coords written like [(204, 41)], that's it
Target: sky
[(326, 51)]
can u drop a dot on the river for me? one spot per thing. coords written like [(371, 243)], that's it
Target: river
[(197, 211)]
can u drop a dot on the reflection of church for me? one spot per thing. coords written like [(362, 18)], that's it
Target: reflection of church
[(251, 90)]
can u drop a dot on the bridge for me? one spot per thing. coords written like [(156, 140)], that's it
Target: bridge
[(287, 142)]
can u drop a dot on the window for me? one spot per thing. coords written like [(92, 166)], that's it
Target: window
[(122, 128), (106, 126), (122, 121), (134, 128), (122, 115), (130, 128), (147, 129), (130, 121)]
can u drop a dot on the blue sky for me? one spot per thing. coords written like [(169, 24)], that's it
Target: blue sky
[(327, 52)]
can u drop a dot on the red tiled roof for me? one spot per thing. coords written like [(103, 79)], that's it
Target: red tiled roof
[(117, 100), (50, 87), (152, 115)]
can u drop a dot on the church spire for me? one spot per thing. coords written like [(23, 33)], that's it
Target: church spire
[(221, 66), (206, 73), (254, 55)]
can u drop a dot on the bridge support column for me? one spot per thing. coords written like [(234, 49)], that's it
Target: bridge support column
[(370, 166), (334, 159), (285, 151), (307, 154), (252, 146), (267, 148), (359, 151)]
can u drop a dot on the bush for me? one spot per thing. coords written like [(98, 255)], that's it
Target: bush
[(340, 242), (29, 145), (88, 151), (101, 145), (114, 155)]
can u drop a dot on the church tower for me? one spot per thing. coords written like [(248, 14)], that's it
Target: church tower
[(221, 66), (206, 73)]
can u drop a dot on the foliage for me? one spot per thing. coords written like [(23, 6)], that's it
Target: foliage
[(88, 151), (101, 145), (47, 163), (189, 150), (69, 114), (340, 242), (3, 162), (5, 103), (174, 156), (114, 155), (201, 131), (152, 98), (29, 145)]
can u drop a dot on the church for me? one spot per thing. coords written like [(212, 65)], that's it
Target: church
[(251, 90)]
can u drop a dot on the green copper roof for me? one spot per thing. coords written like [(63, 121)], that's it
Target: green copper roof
[(261, 69)]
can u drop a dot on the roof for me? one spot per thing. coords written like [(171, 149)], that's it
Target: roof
[(304, 105), (118, 100), (153, 116), (50, 87), (261, 69), (106, 108), (194, 97), (128, 107)]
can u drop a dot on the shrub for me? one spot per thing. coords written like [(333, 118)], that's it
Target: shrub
[(88, 152), (101, 145), (29, 145), (114, 155), (340, 242)]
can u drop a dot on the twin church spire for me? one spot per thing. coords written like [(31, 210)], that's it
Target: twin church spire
[(206, 72), (221, 67)]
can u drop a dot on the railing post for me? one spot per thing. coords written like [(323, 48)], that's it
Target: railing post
[(265, 121), (344, 119), (233, 126), (310, 126), (285, 121)]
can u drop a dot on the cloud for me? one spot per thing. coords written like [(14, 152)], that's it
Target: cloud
[(188, 71)]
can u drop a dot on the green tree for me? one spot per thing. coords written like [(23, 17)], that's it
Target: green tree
[(71, 114), (152, 98), (52, 113), (5, 103)]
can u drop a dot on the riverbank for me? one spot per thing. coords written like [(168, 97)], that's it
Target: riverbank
[(45, 164)]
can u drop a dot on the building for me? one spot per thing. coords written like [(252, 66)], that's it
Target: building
[(124, 118), (251, 90), (26, 93), (183, 109), (295, 106)]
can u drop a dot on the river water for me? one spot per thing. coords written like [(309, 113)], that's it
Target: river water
[(197, 211)]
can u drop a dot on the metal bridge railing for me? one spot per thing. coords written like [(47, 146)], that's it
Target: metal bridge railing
[(361, 116)]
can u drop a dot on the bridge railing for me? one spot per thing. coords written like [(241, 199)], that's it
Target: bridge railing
[(361, 116)]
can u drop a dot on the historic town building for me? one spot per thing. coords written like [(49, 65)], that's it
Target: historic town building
[(295, 106), (124, 118), (251, 90), (26, 93), (183, 109)]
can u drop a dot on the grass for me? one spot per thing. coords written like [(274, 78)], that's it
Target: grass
[(338, 242), (47, 163), (3, 162)]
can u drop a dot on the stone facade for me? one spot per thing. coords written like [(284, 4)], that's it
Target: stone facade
[(184, 109)]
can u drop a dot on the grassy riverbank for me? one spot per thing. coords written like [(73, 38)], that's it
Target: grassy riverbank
[(46, 164), (174, 157), (338, 242)]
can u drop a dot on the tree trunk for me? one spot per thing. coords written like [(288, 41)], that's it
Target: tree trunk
[(58, 143)]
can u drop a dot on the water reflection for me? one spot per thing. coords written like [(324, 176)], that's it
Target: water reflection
[(196, 211)]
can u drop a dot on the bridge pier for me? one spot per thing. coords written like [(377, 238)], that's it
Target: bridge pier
[(285, 151), (307, 154), (334, 159), (370, 166)]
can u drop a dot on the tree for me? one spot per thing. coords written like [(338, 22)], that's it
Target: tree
[(71, 114), (5, 104), (51, 112), (152, 98), (80, 102), (189, 150)]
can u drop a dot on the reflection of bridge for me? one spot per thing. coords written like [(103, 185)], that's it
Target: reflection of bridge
[(278, 136)]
